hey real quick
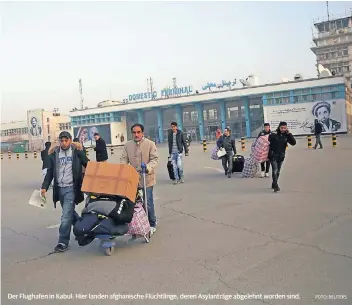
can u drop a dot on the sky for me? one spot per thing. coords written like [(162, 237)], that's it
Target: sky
[(46, 47)]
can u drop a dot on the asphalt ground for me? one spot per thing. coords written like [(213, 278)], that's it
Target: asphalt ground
[(216, 237)]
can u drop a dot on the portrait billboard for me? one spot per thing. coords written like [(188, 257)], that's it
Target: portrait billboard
[(35, 124), (35, 129), (85, 134), (301, 117)]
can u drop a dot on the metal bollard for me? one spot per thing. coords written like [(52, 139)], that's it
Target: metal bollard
[(2, 156), (18, 156), (87, 152), (334, 141), (26, 155), (243, 143), (9, 154), (35, 155), (112, 151), (205, 145), (309, 141)]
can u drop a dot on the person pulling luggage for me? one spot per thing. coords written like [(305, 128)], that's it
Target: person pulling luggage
[(227, 142), (277, 151), (141, 150), (177, 143), (265, 166)]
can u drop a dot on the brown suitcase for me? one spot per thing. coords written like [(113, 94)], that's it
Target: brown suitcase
[(111, 179)]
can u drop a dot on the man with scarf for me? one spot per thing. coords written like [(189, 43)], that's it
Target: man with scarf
[(65, 168), (277, 150)]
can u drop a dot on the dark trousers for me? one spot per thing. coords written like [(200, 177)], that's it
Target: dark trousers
[(276, 168), (227, 162), (318, 141), (265, 166)]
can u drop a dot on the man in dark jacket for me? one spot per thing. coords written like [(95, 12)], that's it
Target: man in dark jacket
[(265, 166), (177, 143), (65, 168), (45, 158), (277, 150), (100, 149), (318, 129), (227, 142)]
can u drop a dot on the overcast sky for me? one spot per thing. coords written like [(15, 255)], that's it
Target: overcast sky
[(115, 46)]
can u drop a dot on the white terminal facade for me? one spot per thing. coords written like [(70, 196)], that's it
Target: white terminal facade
[(244, 110)]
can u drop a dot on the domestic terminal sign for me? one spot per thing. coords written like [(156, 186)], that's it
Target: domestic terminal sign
[(165, 93)]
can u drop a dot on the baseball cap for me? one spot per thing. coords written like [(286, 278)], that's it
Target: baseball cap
[(65, 134)]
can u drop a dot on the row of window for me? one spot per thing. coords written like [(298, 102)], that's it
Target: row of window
[(305, 98), (14, 132), (335, 40), (106, 117), (333, 25), (333, 54), (65, 126)]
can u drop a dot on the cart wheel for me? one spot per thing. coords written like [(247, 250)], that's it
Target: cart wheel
[(109, 251)]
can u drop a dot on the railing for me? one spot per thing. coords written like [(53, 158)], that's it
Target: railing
[(332, 33)]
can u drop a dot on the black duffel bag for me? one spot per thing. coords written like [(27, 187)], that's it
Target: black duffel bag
[(119, 209)]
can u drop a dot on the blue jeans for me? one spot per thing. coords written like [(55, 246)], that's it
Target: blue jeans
[(151, 210), (177, 164), (69, 215)]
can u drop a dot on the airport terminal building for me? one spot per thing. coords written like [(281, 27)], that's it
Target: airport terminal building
[(244, 110)]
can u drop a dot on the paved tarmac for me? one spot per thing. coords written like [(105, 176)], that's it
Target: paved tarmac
[(216, 236)]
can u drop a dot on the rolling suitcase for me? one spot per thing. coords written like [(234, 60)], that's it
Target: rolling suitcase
[(238, 164), (170, 170)]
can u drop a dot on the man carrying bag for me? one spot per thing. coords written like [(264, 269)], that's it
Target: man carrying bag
[(228, 143)]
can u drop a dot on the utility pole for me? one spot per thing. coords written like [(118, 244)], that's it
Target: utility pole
[(151, 86), (80, 91), (327, 8)]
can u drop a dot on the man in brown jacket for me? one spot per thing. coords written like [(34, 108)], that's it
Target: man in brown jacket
[(141, 150)]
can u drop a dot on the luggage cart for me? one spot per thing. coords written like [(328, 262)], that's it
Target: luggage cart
[(107, 242)]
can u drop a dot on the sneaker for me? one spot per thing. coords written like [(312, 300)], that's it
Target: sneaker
[(152, 230), (267, 175), (225, 173), (229, 175), (272, 186), (175, 182), (60, 247), (262, 174), (276, 189), (182, 180)]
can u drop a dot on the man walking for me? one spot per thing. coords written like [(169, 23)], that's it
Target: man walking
[(100, 148), (177, 143), (65, 168), (227, 142), (277, 150), (265, 166), (318, 129), (141, 150)]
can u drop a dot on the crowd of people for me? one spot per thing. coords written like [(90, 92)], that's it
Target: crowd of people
[(64, 165)]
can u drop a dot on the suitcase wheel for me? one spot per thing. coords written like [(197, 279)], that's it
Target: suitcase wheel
[(109, 251)]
